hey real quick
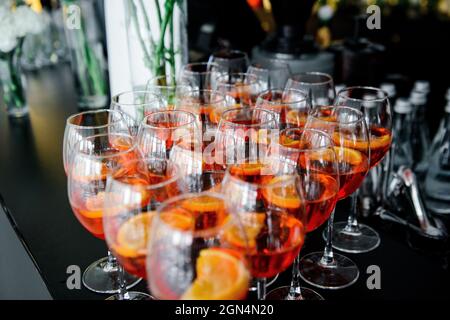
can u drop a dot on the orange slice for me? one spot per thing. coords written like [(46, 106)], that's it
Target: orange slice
[(247, 169), (221, 275), (245, 236), (132, 236), (203, 204), (283, 195), (94, 206), (380, 142), (351, 156)]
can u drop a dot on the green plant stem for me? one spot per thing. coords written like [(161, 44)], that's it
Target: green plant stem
[(158, 11), (147, 57), (13, 92)]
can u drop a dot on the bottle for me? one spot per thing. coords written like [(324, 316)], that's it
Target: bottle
[(401, 143), (422, 86), (437, 181), (391, 91), (420, 134)]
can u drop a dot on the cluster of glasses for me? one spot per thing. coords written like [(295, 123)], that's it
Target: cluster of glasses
[(207, 187)]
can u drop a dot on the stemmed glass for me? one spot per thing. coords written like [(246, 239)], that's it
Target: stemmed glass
[(160, 131), (309, 153), (135, 105), (199, 75), (347, 128), (167, 88), (90, 123), (244, 133), (92, 159), (355, 237), (197, 250), (207, 106), (291, 106), (230, 61), (242, 87), (134, 191), (274, 228), (273, 74), (319, 86)]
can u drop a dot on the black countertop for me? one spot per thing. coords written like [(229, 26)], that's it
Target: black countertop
[(33, 185)]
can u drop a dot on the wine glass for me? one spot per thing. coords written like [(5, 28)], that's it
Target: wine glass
[(89, 123), (92, 159), (199, 75), (242, 87), (134, 191), (309, 153), (197, 250), (160, 131), (347, 128), (244, 133), (270, 207), (319, 86), (273, 73), (355, 237), (166, 88), (230, 61), (207, 106), (291, 106), (135, 105)]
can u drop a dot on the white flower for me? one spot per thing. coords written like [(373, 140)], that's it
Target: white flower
[(27, 21), (325, 12)]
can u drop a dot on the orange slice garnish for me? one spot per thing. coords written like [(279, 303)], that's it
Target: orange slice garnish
[(203, 203), (283, 195), (221, 275), (132, 236), (351, 156), (380, 142), (245, 236), (247, 169), (94, 206)]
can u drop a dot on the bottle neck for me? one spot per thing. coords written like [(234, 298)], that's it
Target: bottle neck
[(402, 126)]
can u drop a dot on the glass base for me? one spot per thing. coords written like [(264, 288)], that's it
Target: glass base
[(341, 273), (365, 240), (101, 277), (270, 281), (282, 293), (132, 295), (17, 112)]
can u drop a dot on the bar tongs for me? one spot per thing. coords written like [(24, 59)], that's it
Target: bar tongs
[(404, 185)]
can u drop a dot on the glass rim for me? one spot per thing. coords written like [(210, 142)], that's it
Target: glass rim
[(368, 88), (328, 77), (125, 93), (273, 67), (246, 75), (298, 91), (359, 114), (190, 114), (158, 185), (73, 116), (185, 69), (210, 91), (132, 147), (271, 113), (243, 54)]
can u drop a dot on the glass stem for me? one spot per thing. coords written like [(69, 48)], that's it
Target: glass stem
[(327, 258), (111, 263), (261, 288), (352, 222), (295, 291), (123, 292)]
